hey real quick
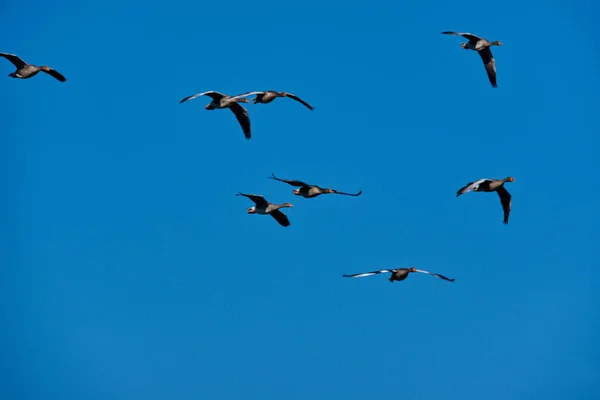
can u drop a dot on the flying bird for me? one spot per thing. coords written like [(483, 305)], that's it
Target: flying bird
[(220, 100), (482, 46), (264, 207), (269, 95), (310, 191), (492, 185), (25, 70), (398, 274)]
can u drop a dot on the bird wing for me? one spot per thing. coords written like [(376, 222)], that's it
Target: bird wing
[(55, 74), (381, 271), (280, 217), (470, 36), (17, 62), (469, 186), (298, 99), (242, 116), (436, 275), (506, 201), (289, 182), (258, 200), (245, 94), (216, 96), (347, 194), (490, 64)]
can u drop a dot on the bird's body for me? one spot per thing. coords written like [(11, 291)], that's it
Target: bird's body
[(221, 101), (263, 207), (26, 71), (492, 185), (269, 95), (398, 274), (309, 191), (482, 46)]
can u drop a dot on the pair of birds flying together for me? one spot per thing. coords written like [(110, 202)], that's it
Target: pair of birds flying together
[(476, 43), (221, 101), (482, 185), (263, 207)]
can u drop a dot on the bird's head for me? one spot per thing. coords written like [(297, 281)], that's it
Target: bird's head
[(210, 106), (13, 74), (412, 269), (497, 43), (463, 45), (328, 190), (251, 210), (510, 179), (296, 192), (242, 100), (288, 205)]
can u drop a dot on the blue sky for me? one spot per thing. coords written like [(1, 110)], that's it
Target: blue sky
[(130, 269)]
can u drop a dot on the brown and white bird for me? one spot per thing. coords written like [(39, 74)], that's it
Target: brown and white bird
[(220, 100), (398, 274), (25, 71), (482, 46), (492, 185), (269, 95), (264, 207), (310, 191)]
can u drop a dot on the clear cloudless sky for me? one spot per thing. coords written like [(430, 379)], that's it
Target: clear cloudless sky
[(130, 270)]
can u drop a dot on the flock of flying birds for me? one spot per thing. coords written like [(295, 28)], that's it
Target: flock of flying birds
[(262, 206)]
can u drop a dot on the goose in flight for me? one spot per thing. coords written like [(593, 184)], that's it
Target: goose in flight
[(482, 46), (398, 274), (492, 185), (310, 191), (269, 95), (25, 70), (264, 207), (220, 100)]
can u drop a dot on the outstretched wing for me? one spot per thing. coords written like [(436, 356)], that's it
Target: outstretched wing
[(280, 217), (490, 64), (245, 94), (242, 116), (298, 99), (289, 182), (506, 201), (470, 36), (55, 74), (469, 186), (258, 200), (347, 194), (381, 271), (436, 275), (216, 96), (17, 62)]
